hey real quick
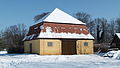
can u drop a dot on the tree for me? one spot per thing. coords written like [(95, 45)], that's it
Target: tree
[(101, 29), (112, 27), (118, 23), (2, 46), (84, 17), (40, 16), (13, 37), (92, 28)]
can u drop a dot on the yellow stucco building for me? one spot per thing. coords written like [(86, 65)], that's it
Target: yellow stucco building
[(58, 34)]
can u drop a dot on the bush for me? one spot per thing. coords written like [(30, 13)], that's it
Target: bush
[(18, 49)]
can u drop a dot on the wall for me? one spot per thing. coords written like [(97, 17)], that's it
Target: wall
[(55, 49), (35, 46), (41, 47), (81, 49), (113, 45)]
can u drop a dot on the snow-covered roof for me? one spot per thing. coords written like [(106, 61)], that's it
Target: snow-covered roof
[(58, 16), (118, 34), (50, 34), (59, 35), (64, 35)]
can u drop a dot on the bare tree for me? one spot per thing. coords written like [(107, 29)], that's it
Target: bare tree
[(2, 46), (84, 17), (101, 29), (91, 27), (40, 16), (112, 27), (13, 36), (118, 23)]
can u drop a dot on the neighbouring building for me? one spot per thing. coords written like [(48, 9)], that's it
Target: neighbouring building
[(116, 41), (58, 33)]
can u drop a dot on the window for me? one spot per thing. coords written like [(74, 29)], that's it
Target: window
[(50, 44), (41, 27), (85, 43)]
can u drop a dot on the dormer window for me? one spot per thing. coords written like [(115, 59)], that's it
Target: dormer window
[(41, 27), (36, 28)]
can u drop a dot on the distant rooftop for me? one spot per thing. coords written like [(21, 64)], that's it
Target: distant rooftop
[(118, 34)]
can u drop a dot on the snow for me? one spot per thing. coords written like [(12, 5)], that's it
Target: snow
[(28, 37), (118, 34), (113, 54), (58, 16), (50, 34), (64, 35), (3, 52), (56, 61)]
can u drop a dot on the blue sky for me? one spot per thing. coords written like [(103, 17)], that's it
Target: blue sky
[(14, 12)]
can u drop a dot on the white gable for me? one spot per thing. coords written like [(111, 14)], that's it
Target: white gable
[(118, 34), (58, 16)]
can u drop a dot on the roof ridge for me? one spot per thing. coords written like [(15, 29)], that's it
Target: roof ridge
[(59, 16)]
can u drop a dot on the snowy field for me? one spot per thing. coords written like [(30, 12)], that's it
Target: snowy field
[(56, 61)]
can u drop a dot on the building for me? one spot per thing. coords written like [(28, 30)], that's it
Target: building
[(116, 42), (58, 33)]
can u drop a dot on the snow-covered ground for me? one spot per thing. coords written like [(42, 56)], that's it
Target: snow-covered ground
[(56, 61), (3, 52), (113, 54)]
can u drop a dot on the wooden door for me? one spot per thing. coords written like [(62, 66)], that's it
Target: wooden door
[(30, 48), (68, 47)]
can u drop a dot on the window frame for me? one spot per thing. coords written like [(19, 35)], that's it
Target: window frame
[(85, 43), (49, 44)]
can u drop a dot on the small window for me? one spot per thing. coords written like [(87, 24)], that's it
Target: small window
[(85, 43), (50, 44), (41, 27)]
